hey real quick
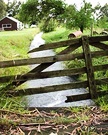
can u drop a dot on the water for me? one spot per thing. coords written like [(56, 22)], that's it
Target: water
[(52, 99)]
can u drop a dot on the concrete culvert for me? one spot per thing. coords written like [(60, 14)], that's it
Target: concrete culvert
[(74, 34)]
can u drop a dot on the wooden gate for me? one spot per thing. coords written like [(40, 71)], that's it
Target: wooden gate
[(67, 54)]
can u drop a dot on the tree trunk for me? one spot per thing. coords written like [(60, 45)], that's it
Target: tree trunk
[(81, 28)]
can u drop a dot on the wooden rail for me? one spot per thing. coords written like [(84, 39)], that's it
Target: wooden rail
[(65, 55)]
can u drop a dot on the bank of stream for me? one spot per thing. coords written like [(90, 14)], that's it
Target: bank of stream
[(52, 99)]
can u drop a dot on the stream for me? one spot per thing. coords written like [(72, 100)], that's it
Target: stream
[(51, 99)]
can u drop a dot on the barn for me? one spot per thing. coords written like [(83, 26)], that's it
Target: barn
[(9, 23)]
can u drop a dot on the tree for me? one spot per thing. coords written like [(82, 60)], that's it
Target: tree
[(33, 11), (30, 12), (79, 18), (69, 16), (2, 9), (84, 16)]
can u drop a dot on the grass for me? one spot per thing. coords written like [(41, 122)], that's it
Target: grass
[(61, 34), (14, 45)]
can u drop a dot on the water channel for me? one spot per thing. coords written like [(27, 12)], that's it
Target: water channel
[(52, 99)]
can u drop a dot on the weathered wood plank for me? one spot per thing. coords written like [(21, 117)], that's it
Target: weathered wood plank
[(68, 43), (47, 89), (90, 70), (84, 96), (74, 98), (101, 81), (70, 49), (71, 42), (49, 59), (40, 60), (50, 74), (100, 45), (42, 75), (97, 54), (97, 39), (101, 67), (102, 93)]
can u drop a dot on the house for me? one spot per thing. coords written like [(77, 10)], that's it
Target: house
[(9, 23)]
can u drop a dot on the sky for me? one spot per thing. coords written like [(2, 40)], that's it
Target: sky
[(93, 2), (78, 2)]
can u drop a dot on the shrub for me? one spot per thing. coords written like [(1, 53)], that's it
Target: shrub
[(48, 26)]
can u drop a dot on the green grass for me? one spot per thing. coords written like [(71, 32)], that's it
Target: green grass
[(14, 45), (58, 35)]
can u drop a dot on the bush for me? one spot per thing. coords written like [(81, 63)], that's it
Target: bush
[(48, 26)]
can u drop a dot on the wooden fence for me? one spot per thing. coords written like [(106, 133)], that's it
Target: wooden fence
[(91, 83)]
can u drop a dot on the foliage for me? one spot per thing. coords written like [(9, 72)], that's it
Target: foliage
[(29, 12), (2, 9), (48, 26), (13, 8), (33, 11), (79, 18), (69, 16), (58, 35)]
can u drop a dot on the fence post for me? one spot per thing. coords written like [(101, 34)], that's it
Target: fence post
[(89, 67)]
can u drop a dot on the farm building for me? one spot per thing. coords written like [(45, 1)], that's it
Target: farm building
[(9, 23)]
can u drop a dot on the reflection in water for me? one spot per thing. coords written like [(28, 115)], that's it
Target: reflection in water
[(52, 99)]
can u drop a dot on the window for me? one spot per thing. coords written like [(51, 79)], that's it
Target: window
[(6, 25)]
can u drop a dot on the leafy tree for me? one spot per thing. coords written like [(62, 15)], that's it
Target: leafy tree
[(33, 11), (30, 11), (2, 9), (84, 16), (79, 18), (70, 15)]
